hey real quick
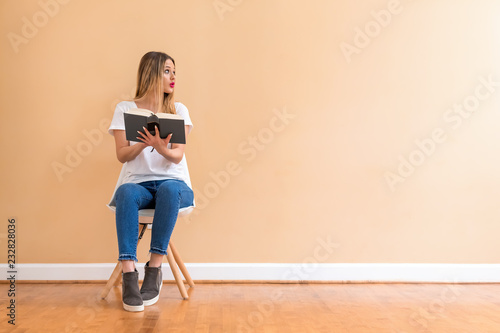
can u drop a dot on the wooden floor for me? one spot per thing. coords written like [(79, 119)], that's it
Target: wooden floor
[(301, 308)]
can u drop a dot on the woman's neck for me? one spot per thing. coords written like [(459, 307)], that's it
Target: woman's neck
[(147, 102)]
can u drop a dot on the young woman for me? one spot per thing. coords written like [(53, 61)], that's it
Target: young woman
[(156, 176)]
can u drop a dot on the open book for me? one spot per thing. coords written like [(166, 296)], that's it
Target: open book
[(167, 123)]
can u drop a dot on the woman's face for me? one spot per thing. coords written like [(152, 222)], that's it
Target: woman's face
[(168, 77)]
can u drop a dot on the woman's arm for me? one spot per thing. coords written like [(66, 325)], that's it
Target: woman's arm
[(124, 151), (176, 151)]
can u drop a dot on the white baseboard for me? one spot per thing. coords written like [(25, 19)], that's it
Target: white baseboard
[(456, 273)]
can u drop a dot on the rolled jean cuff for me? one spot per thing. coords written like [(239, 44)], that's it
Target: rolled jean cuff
[(158, 251), (127, 257)]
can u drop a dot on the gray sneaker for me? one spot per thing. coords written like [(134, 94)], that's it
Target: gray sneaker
[(132, 300), (151, 286)]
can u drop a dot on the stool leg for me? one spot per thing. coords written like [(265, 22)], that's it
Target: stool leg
[(119, 278), (113, 280), (175, 272), (181, 265)]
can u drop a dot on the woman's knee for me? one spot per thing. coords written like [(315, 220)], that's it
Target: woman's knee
[(176, 190), (128, 191), (169, 188)]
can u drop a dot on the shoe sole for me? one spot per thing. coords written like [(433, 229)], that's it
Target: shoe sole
[(153, 300), (133, 308)]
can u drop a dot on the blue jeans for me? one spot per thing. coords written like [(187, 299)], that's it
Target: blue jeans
[(165, 196)]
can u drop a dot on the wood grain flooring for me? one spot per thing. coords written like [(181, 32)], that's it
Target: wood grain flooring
[(290, 308)]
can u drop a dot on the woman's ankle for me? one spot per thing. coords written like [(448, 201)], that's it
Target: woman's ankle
[(155, 260), (128, 266)]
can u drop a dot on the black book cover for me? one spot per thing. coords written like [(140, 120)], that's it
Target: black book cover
[(135, 120)]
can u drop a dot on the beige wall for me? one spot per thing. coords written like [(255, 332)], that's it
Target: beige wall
[(321, 174)]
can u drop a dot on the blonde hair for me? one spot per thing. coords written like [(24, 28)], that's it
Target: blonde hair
[(150, 80)]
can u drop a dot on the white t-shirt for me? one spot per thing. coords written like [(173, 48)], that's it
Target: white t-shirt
[(149, 165)]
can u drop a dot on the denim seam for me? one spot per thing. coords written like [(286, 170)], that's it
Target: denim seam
[(157, 250), (127, 256)]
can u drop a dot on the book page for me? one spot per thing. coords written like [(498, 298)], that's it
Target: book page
[(147, 113)]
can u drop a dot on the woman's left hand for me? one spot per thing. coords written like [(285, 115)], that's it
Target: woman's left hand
[(161, 145)]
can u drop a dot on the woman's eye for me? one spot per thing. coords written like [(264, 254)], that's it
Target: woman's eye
[(167, 71)]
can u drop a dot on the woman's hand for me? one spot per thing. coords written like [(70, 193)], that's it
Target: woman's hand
[(161, 145)]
